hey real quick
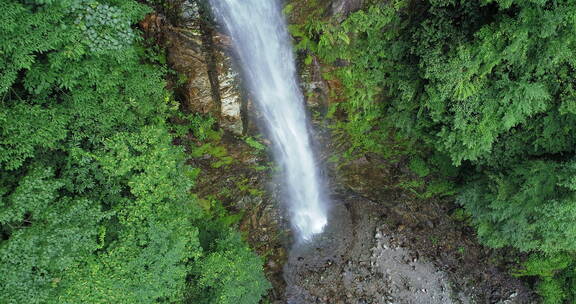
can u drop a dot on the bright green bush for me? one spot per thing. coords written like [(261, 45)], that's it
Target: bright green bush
[(230, 273), (104, 27), (557, 274), (530, 207), (418, 166)]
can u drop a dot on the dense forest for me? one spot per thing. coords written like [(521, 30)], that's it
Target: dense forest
[(97, 204), (95, 200), (478, 93)]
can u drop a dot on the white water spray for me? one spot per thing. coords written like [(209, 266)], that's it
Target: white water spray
[(262, 45)]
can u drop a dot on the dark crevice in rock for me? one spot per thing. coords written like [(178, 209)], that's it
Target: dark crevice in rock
[(207, 32), (245, 115)]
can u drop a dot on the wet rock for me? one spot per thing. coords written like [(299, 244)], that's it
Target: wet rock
[(371, 272), (185, 55), (272, 265), (248, 201), (152, 26), (315, 87), (231, 98), (344, 7), (190, 13)]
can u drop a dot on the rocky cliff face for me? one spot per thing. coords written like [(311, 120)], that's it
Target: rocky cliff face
[(233, 105), (185, 55), (206, 82)]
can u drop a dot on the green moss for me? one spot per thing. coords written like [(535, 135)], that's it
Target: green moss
[(254, 143), (418, 166)]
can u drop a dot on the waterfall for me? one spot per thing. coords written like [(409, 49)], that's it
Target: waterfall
[(263, 48)]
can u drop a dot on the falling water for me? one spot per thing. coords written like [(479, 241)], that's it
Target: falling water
[(262, 45)]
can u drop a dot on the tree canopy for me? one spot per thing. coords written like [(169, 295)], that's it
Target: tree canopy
[(488, 84), (95, 202)]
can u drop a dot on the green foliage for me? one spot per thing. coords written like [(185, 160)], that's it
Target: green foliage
[(229, 274), (252, 142), (455, 86), (216, 151), (216, 210), (48, 235), (418, 166), (105, 27), (558, 276), (201, 126), (460, 214), (244, 187), (440, 188), (94, 198), (358, 42), (490, 90), (24, 128), (530, 207), (428, 189)]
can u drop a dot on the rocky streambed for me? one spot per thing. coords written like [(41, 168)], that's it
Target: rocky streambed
[(356, 260), (359, 259)]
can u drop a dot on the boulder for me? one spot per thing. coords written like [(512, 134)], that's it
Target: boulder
[(344, 7), (186, 56), (189, 14)]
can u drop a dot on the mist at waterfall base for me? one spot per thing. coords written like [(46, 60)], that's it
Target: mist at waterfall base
[(264, 53)]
